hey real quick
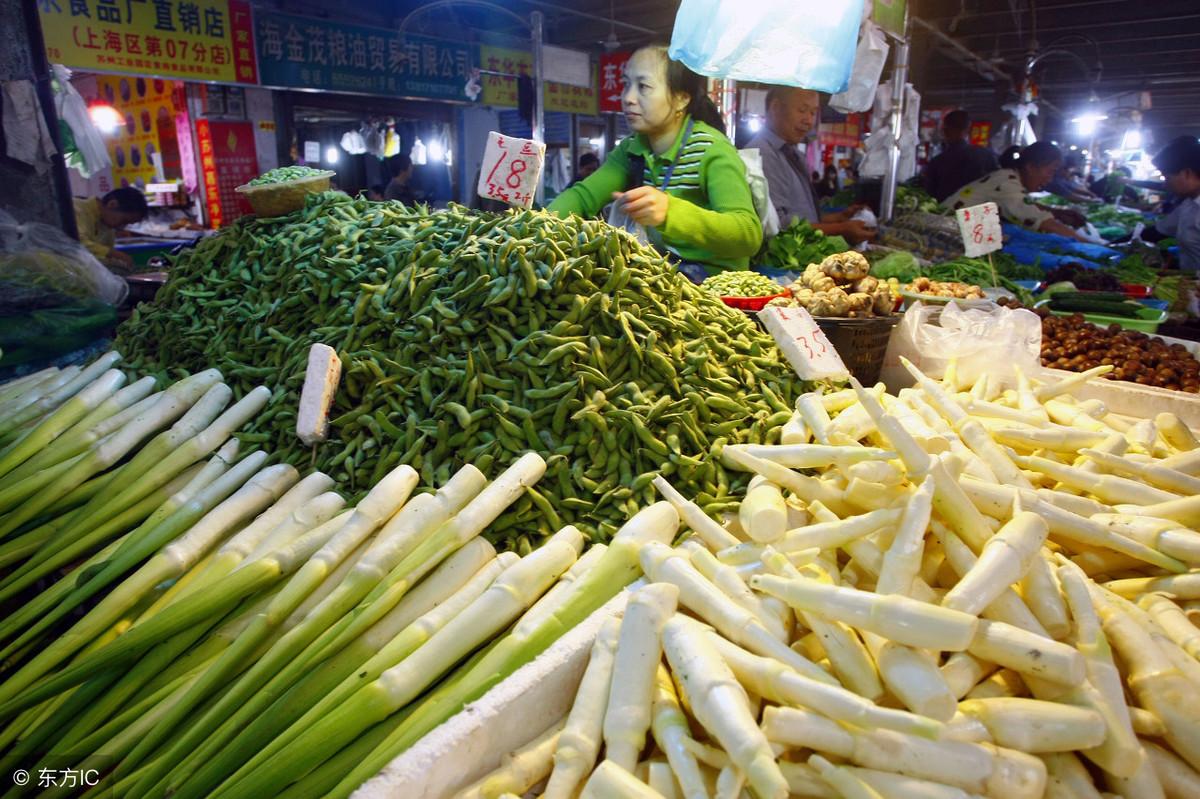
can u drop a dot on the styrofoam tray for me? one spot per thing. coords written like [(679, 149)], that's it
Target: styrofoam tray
[(512, 714)]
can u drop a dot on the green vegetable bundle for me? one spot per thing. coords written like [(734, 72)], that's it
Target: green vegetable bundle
[(912, 198), (471, 338), (741, 284), (902, 266), (976, 272), (799, 245), (286, 173)]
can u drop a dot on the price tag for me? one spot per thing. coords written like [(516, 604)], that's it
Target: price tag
[(803, 343), (980, 229), (511, 169)]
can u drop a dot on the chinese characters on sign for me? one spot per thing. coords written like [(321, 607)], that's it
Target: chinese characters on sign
[(205, 40), (803, 343), (980, 228), (511, 169), (227, 160), (612, 72), (318, 54), (501, 89)]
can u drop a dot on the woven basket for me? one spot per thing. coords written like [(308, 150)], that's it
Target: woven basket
[(277, 199), (861, 343)]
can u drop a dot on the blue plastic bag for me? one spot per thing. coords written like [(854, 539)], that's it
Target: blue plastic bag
[(807, 43)]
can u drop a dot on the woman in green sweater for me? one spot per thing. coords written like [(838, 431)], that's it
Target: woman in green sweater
[(678, 176)]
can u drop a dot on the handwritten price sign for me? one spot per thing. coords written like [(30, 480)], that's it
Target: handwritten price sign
[(511, 169), (980, 229), (803, 343)]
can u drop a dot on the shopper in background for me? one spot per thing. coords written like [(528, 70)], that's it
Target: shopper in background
[(791, 115), (827, 186), (677, 176), (400, 186), (1009, 189), (588, 163), (1179, 162), (99, 219), (1065, 184), (377, 192), (959, 162)]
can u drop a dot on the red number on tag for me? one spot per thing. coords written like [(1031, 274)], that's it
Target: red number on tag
[(514, 174), (977, 233)]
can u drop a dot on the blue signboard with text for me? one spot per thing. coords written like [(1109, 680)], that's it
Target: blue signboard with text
[(306, 53)]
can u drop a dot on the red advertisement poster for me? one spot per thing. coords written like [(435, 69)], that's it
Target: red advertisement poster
[(612, 68), (228, 159), (981, 133)]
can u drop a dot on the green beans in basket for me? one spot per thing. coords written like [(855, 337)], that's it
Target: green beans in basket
[(471, 338), (286, 173), (741, 284)]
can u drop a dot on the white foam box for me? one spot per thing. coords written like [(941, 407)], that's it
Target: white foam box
[(511, 714)]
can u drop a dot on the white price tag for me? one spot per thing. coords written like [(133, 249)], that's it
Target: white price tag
[(511, 169), (980, 229), (803, 343)]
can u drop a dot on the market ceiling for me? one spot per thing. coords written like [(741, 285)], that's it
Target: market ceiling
[(1113, 49)]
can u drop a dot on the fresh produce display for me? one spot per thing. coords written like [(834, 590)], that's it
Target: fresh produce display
[(913, 198), (1073, 343), (961, 597), (899, 265), (232, 628), (1095, 302), (741, 284), (285, 173), (1009, 267), (841, 286), (929, 236), (470, 338), (953, 290), (1084, 278), (799, 245)]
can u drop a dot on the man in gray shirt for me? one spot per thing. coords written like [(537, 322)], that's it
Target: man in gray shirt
[(791, 115)]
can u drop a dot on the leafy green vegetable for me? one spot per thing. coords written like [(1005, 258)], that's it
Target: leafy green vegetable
[(799, 245), (901, 265), (911, 198)]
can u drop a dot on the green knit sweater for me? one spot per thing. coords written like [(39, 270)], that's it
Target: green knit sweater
[(710, 216)]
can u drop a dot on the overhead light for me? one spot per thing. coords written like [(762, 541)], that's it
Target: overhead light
[(436, 151), (755, 124), (1086, 123), (331, 155), (1073, 148), (106, 118), (1132, 140)]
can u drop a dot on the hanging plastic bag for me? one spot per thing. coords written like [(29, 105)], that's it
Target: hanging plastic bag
[(353, 142), (869, 59), (987, 338), (42, 267), (373, 137), (808, 43), (619, 219), (90, 155), (760, 191)]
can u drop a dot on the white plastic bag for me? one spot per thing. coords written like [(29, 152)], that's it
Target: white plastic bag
[(73, 110), (869, 59), (988, 338), (40, 266), (808, 43), (760, 191), (354, 142)]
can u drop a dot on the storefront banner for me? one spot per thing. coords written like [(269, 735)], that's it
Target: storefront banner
[(501, 90), (310, 53), (228, 159), (203, 40), (612, 74)]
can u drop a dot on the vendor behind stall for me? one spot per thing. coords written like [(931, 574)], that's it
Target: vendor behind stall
[(791, 115), (1179, 162), (677, 176), (99, 219), (1009, 189), (959, 162)]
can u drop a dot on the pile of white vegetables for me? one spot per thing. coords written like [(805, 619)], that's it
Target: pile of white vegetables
[(942, 594), (190, 621)]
